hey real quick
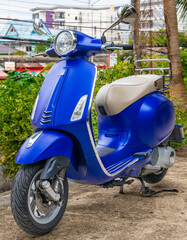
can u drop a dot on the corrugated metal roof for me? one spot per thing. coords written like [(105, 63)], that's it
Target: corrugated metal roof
[(21, 30), (6, 50)]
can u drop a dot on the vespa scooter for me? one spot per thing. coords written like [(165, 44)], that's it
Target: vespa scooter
[(136, 124)]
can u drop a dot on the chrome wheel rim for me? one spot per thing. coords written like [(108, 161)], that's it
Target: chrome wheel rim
[(43, 212)]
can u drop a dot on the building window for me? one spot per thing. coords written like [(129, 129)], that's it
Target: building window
[(28, 48), (62, 14), (36, 15), (62, 23), (51, 15), (75, 18), (59, 15)]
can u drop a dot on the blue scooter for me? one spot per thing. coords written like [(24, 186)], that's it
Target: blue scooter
[(136, 124)]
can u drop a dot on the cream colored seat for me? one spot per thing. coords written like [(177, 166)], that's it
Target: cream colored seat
[(115, 97)]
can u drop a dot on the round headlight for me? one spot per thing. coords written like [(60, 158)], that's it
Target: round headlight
[(65, 42)]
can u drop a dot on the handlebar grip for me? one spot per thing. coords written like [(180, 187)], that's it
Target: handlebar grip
[(125, 46)]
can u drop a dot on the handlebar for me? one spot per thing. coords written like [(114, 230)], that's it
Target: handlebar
[(113, 47), (125, 46)]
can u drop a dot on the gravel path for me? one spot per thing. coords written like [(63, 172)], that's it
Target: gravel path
[(96, 213)]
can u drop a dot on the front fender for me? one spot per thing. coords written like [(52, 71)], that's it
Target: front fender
[(47, 144)]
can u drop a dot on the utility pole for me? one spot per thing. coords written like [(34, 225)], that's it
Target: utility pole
[(89, 3), (150, 32), (92, 4), (136, 32)]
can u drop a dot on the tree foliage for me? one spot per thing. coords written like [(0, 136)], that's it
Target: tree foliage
[(182, 8), (17, 96), (41, 47)]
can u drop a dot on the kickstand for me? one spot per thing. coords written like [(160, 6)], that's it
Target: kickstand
[(121, 190), (147, 192), (123, 183)]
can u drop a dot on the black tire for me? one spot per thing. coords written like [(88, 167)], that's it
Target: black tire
[(23, 193), (155, 178)]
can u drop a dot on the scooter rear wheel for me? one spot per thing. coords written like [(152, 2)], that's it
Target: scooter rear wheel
[(32, 211), (155, 177)]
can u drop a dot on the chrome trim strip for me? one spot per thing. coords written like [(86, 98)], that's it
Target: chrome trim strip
[(115, 166), (46, 116), (118, 165), (47, 112), (91, 136), (134, 161), (42, 121), (128, 163)]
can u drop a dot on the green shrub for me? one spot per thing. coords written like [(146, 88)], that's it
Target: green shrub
[(17, 96), (20, 53), (184, 63), (181, 116)]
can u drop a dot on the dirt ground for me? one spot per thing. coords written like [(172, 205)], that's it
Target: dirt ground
[(96, 213)]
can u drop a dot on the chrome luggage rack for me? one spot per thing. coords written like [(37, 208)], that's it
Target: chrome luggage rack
[(163, 70)]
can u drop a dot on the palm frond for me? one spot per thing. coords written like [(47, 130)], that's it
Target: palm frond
[(181, 8)]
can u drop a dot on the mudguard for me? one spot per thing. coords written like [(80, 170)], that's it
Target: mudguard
[(43, 145)]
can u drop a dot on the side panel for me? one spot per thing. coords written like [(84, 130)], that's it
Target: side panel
[(156, 119), (42, 116), (142, 125), (48, 144), (78, 82), (65, 84)]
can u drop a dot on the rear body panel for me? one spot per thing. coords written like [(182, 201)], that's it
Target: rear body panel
[(142, 125)]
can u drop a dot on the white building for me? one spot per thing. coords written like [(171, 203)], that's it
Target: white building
[(91, 21), (152, 16)]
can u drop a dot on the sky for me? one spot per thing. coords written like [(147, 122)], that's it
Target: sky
[(21, 8)]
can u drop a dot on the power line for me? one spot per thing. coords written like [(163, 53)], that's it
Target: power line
[(49, 22), (67, 25), (14, 6), (35, 41), (15, 19), (50, 4), (55, 5), (72, 14), (20, 12), (54, 22)]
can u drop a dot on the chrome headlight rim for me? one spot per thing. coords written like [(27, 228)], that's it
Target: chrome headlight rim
[(74, 38)]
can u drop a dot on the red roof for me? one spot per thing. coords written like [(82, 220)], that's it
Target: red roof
[(3, 75)]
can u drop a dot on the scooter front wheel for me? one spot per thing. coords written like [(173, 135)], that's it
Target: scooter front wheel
[(32, 210)]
